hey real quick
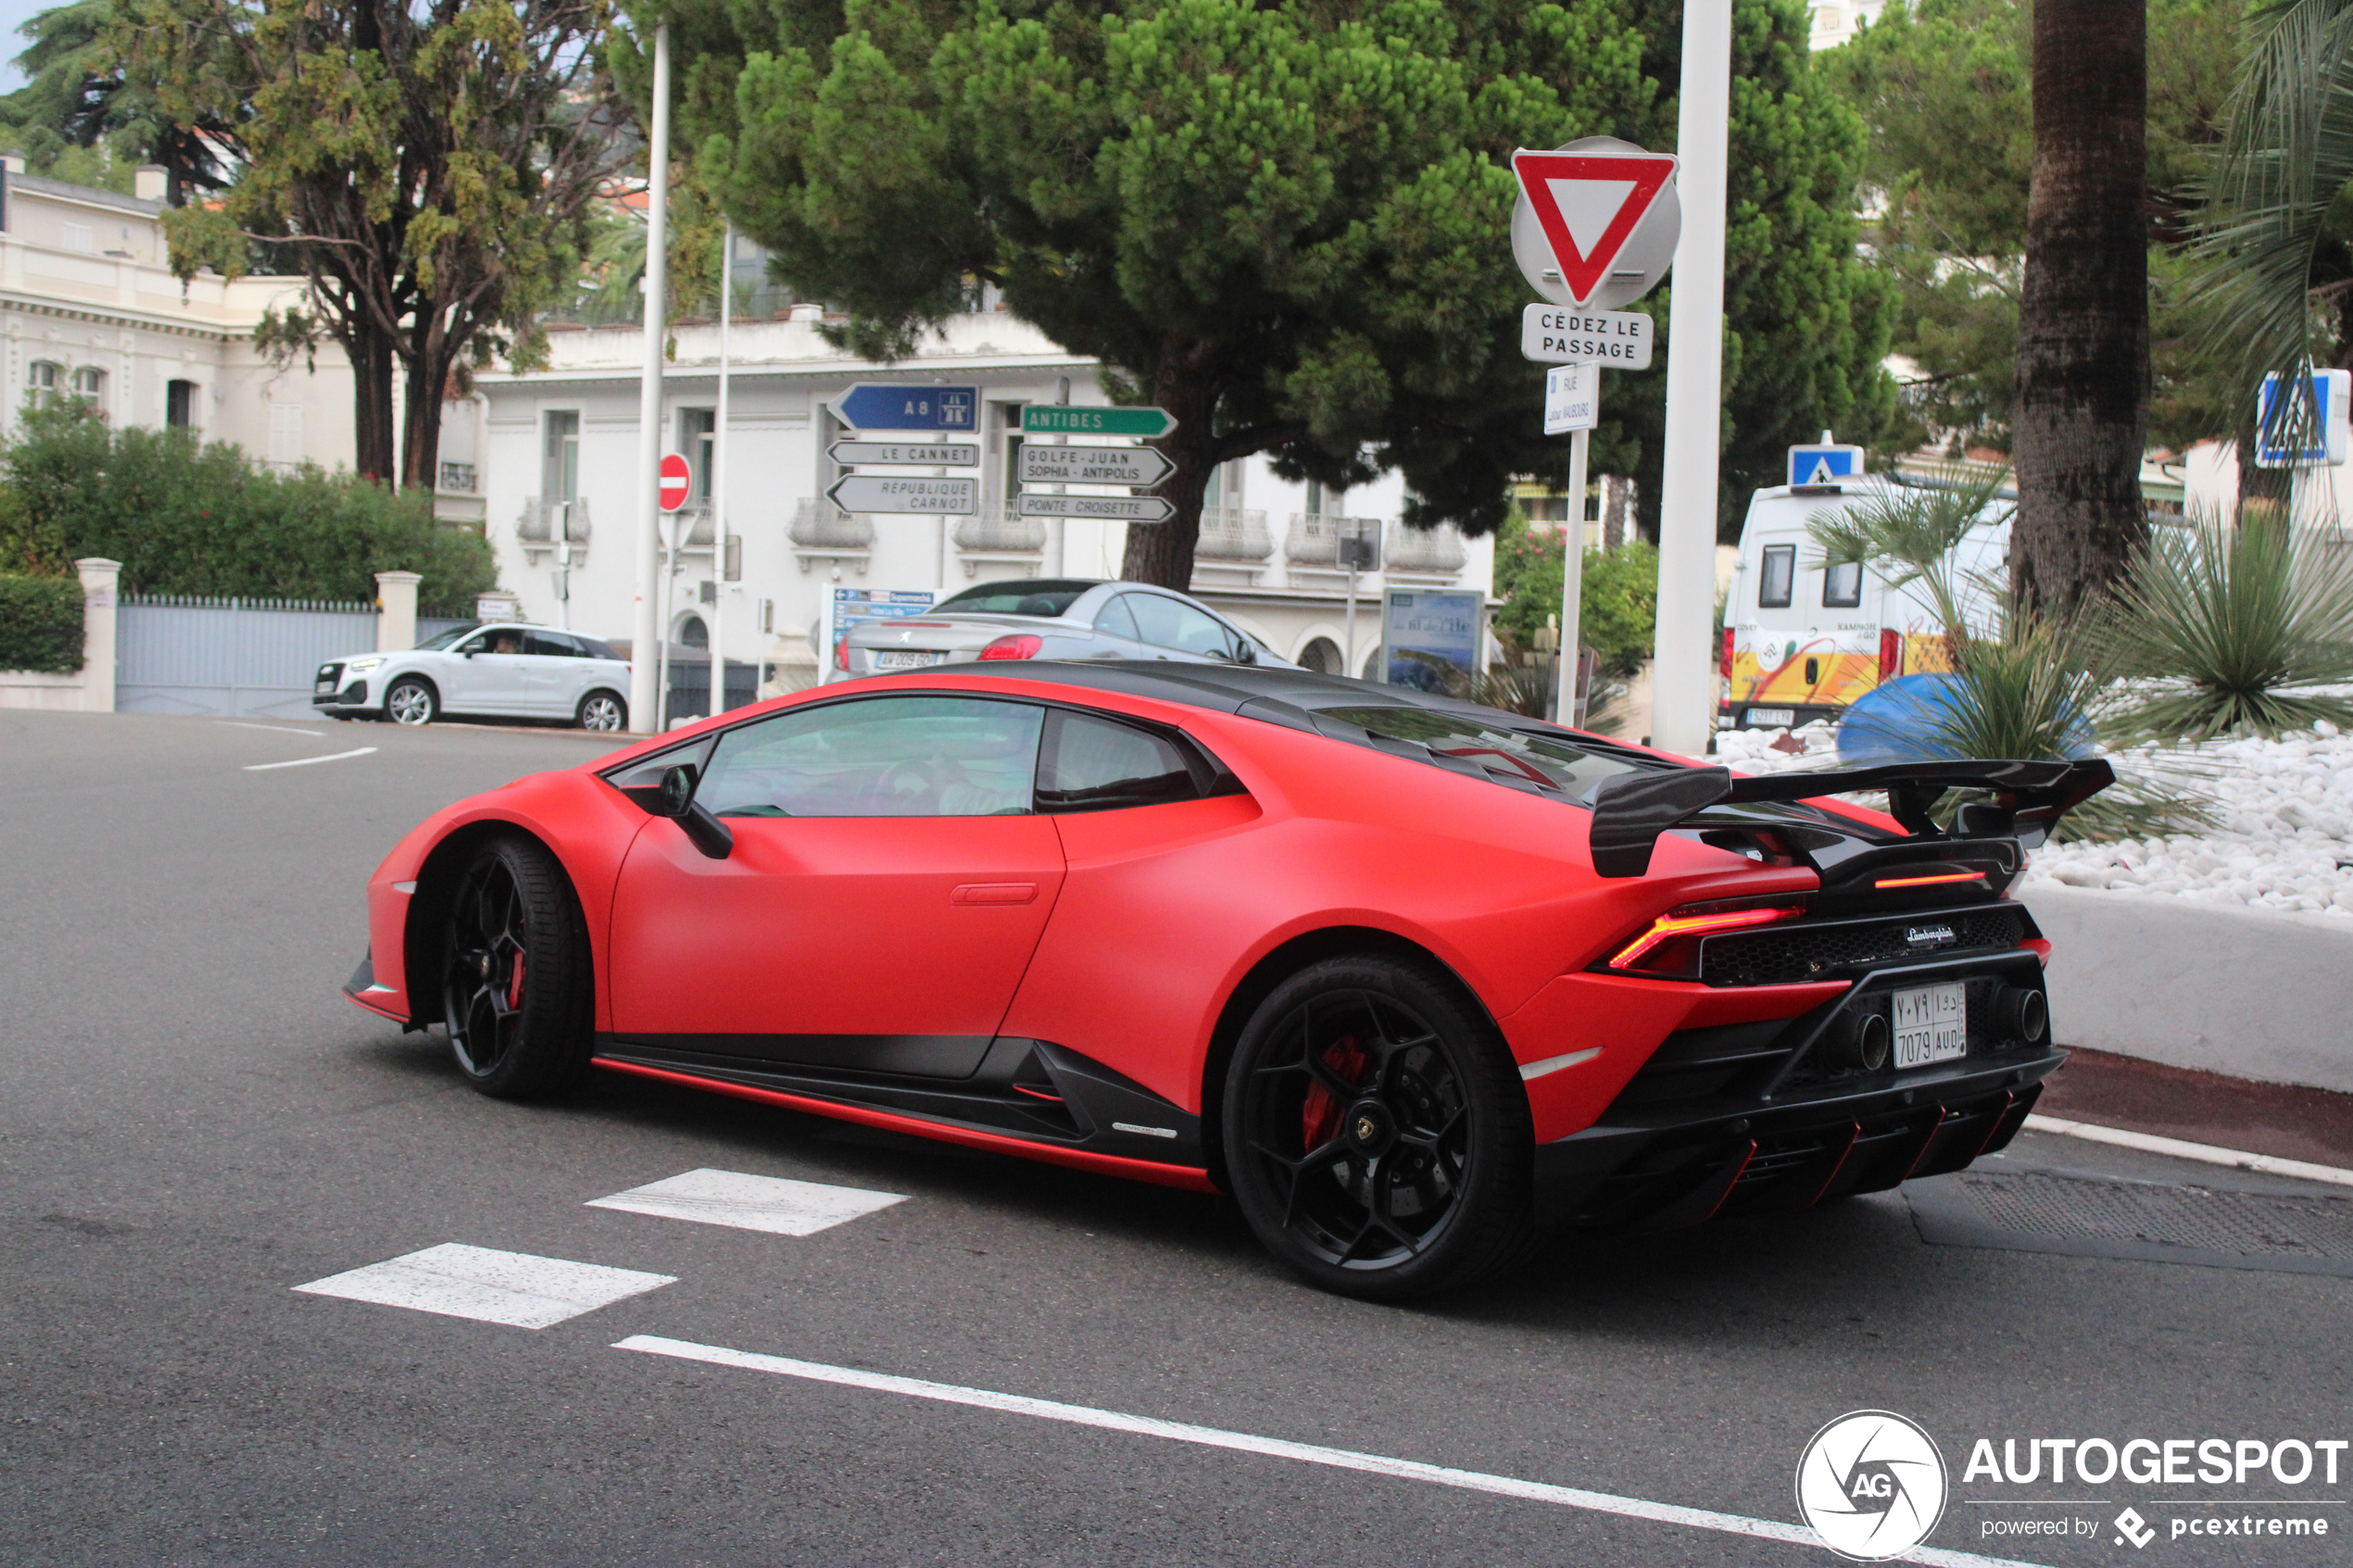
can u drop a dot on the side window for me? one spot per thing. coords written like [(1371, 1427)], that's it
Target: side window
[(641, 780), (1092, 764), (1779, 574), (881, 756), (478, 643), (1167, 623), (1843, 585), (552, 645), (1113, 618)]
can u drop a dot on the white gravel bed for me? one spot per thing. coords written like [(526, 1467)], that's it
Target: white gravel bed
[(2283, 837)]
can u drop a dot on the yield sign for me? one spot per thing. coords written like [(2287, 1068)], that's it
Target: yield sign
[(1588, 203)]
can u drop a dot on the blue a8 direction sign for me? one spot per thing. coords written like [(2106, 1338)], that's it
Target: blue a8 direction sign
[(879, 406)]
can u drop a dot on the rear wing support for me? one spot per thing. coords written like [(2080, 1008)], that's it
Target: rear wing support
[(1631, 810)]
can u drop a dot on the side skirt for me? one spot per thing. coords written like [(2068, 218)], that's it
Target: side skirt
[(1028, 1098)]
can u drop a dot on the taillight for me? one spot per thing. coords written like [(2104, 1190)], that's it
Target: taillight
[(1891, 652), (1670, 929), (842, 654), (1726, 666), (1017, 644)]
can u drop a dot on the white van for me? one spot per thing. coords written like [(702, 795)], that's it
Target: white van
[(1803, 641)]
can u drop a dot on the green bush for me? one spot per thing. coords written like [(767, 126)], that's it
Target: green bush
[(40, 623), (1616, 600), (186, 518)]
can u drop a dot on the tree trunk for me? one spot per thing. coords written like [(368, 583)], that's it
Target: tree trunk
[(1162, 553), (2082, 331), (373, 456), (421, 420)]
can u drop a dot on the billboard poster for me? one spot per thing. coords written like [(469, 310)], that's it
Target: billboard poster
[(1430, 638), (848, 607)]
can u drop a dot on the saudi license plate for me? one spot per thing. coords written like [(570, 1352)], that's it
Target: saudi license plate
[(1932, 1023), (907, 659), (1784, 717)]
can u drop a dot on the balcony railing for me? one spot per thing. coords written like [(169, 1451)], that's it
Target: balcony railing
[(1439, 550), (818, 524), (997, 531), (1233, 534), (1314, 537), (545, 524)]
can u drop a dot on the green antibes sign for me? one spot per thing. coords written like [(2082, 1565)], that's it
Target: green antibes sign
[(1054, 420)]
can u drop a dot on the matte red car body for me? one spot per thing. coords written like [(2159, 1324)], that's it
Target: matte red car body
[(1122, 934)]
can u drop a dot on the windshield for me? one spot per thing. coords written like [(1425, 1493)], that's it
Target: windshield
[(1546, 762), (1047, 596), (443, 639)]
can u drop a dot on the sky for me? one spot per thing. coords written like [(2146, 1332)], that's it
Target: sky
[(13, 14)]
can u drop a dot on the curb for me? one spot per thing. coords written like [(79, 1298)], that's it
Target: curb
[(2205, 1153)]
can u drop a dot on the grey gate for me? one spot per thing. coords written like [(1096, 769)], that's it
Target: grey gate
[(180, 654)]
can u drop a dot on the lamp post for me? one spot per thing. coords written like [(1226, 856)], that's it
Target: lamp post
[(645, 631)]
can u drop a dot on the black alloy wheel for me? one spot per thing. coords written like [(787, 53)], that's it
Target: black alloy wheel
[(1376, 1135), (515, 972)]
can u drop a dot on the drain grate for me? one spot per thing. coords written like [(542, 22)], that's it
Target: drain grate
[(2038, 1211)]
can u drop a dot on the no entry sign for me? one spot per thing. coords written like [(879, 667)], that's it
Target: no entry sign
[(676, 481)]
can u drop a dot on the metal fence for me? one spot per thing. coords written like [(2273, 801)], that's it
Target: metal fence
[(188, 654)]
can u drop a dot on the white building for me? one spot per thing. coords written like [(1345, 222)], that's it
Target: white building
[(89, 306), (562, 440), (1834, 25)]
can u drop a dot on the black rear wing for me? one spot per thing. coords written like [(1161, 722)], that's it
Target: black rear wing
[(1631, 810)]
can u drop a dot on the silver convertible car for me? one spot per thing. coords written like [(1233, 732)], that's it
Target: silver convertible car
[(501, 671), (1053, 618)]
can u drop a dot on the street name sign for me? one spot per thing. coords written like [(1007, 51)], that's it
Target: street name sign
[(1597, 221), (1618, 340), (675, 479), (1140, 466), (918, 454), (888, 493), (882, 405), (1119, 508), (1572, 397), (1055, 419)]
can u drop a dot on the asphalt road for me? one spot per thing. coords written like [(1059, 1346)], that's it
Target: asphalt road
[(192, 1123)]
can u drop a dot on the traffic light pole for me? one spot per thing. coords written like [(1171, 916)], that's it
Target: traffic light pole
[(647, 633), (1682, 669)]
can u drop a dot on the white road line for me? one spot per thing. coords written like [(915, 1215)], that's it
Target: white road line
[(1276, 1447), (2205, 1153), (306, 762), (514, 1288), (752, 1203), (321, 733)]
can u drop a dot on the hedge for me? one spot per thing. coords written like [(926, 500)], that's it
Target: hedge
[(40, 623), (189, 519)]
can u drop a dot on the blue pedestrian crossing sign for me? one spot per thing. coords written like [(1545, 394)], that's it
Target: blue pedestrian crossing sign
[(883, 406), (1823, 463), (2317, 434)]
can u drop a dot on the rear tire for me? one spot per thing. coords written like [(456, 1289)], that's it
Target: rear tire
[(1377, 1138), (602, 711), (412, 702), (516, 997)]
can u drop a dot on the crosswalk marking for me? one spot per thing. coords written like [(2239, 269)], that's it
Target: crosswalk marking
[(514, 1288), (754, 1203)]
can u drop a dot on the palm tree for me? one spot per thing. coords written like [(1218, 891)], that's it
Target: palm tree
[(2084, 319)]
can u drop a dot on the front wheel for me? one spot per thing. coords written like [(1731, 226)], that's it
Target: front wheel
[(602, 711), (411, 702), (515, 975), (1376, 1135)]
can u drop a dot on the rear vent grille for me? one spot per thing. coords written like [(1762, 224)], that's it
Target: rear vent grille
[(1798, 951)]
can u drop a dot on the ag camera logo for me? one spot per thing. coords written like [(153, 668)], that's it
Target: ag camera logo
[(1872, 1484)]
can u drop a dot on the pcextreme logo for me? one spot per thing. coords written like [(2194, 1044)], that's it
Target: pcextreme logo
[(1872, 1484)]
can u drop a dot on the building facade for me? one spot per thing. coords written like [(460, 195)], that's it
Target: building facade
[(560, 477)]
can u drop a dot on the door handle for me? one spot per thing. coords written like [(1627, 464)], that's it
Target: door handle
[(995, 893)]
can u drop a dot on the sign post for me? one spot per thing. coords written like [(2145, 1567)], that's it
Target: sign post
[(1595, 226), (645, 692)]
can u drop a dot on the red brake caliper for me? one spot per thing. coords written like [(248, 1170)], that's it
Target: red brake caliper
[(1320, 1114), (514, 986)]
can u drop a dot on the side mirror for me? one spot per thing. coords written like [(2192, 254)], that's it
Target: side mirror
[(706, 832), (1245, 653)]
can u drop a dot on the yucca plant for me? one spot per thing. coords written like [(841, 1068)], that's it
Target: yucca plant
[(2220, 630)]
